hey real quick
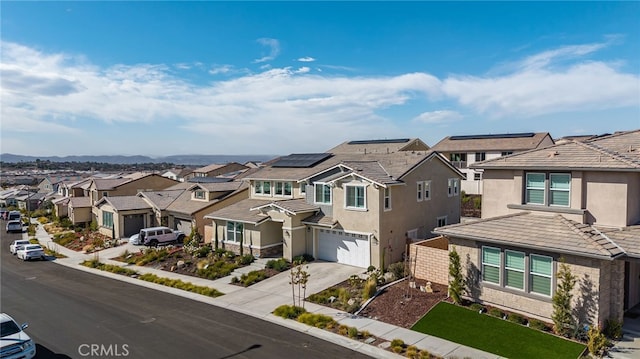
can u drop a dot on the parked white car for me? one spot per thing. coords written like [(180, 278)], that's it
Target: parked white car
[(17, 244), (31, 251), (160, 235), (15, 343), (135, 239), (14, 226)]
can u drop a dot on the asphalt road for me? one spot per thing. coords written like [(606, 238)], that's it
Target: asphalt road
[(73, 314)]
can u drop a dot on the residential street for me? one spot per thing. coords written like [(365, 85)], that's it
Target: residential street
[(69, 310)]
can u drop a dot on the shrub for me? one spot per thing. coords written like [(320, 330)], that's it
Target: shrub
[(343, 329), (279, 264), (302, 259), (43, 220), (353, 332), (289, 311), (597, 343), (252, 277), (397, 343), (613, 329), (371, 268), (245, 259), (516, 318), (33, 241), (397, 349), (477, 307), (177, 283), (235, 280), (495, 312), (317, 320), (365, 334), (537, 324), (424, 354), (412, 352), (217, 270), (202, 251), (64, 239), (369, 289), (397, 269), (93, 226)]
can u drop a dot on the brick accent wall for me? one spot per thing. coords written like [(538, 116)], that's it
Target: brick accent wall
[(431, 260), (269, 252)]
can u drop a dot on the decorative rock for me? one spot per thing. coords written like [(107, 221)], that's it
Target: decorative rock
[(369, 340), (173, 268), (412, 284), (385, 345), (180, 264), (428, 288), (81, 239), (332, 299), (351, 301), (389, 277)]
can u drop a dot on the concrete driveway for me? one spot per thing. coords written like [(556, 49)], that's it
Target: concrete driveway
[(263, 297)]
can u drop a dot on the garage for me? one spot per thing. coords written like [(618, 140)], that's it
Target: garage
[(346, 248), (133, 223), (183, 225)]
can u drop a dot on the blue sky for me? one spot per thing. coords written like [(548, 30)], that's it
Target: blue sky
[(163, 78)]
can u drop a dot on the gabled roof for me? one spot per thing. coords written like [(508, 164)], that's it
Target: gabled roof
[(102, 184), (380, 146), (370, 171), (124, 203), (320, 219), (291, 206), (554, 234), (79, 202), (186, 205), (217, 186), (161, 199), (628, 238), (620, 151), (241, 212), (493, 142)]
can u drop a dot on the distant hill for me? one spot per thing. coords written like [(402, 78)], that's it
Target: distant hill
[(187, 160)]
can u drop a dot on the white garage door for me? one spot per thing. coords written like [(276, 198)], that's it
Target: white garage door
[(345, 248), (183, 225)]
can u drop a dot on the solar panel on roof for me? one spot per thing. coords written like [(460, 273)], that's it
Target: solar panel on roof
[(484, 137), (367, 142), (301, 160)]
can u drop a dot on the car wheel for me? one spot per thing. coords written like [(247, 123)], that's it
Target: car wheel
[(43, 258), (154, 243)]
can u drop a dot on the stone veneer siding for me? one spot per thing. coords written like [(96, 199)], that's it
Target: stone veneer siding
[(594, 277), (431, 260), (269, 252)]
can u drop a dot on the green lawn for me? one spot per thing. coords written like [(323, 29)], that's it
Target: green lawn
[(494, 335)]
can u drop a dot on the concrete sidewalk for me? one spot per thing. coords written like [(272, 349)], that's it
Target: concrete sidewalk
[(260, 299)]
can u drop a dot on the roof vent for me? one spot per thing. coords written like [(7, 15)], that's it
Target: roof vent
[(631, 149), (553, 154)]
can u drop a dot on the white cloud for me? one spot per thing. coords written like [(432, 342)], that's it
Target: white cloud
[(303, 70), (306, 59), (221, 69), (273, 46), (442, 116)]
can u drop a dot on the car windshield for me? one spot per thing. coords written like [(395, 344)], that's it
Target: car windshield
[(9, 328), (34, 247)]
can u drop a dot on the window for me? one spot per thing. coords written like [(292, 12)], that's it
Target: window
[(323, 193), (491, 265), (514, 269), (198, 194), (107, 219), (303, 187), (554, 192), (540, 274), (355, 196), (105, 194), (506, 153), (419, 193), (453, 187), (535, 188), (457, 157), (427, 190), (387, 198), (278, 190), (287, 188), (263, 187), (442, 221), (477, 176), (559, 187), (481, 156), (235, 231)]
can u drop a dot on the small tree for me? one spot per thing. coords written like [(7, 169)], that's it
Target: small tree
[(299, 280), (456, 281), (563, 320)]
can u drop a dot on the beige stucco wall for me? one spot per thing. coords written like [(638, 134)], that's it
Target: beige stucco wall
[(597, 296), (429, 260), (633, 198), (500, 189), (80, 215), (607, 197)]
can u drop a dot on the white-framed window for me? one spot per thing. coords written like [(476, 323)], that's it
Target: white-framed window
[(553, 189), (506, 153), (419, 191), (235, 231), (477, 176), (198, 194), (540, 274), (282, 189), (355, 196), (322, 193), (387, 198), (303, 187), (491, 265), (481, 156), (107, 219), (453, 187), (514, 269), (263, 188), (442, 221), (427, 190), (105, 194)]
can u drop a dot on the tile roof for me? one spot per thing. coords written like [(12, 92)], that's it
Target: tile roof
[(551, 233), (218, 186), (125, 203), (320, 219), (628, 238), (78, 202), (162, 199), (241, 212), (495, 142), (109, 183), (380, 146), (209, 168), (620, 151), (293, 206)]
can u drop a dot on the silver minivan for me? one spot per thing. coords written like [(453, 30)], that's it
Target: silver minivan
[(160, 235)]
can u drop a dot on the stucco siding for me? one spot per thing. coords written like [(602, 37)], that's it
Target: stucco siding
[(606, 197), (499, 189)]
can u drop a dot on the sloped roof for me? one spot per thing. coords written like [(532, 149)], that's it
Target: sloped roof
[(497, 142), (628, 238), (109, 183), (124, 203), (161, 199), (241, 212), (620, 151), (209, 168), (78, 202), (549, 233), (380, 146), (320, 219), (218, 186), (293, 206)]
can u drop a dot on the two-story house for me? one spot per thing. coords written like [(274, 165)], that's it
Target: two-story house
[(578, 202), (356, 204), (463, 151)]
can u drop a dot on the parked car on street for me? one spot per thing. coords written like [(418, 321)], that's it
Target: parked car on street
[(31, 251), (15, 343), (14, 215), (17, 244), (160, 235), (14, 226)]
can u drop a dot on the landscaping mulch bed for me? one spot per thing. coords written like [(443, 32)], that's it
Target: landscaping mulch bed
[(403, 306)]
